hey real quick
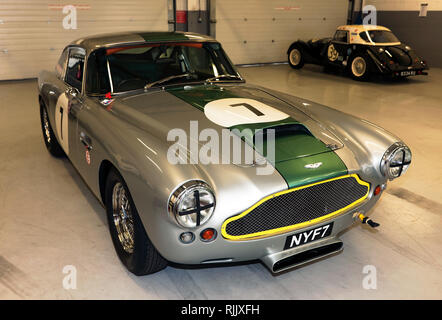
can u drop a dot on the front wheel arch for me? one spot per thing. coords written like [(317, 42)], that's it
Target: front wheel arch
[(105, 167)]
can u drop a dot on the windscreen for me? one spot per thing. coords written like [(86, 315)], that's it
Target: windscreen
[(379, 36), (134, 67)]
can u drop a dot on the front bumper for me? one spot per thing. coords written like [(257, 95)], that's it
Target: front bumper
[(223, 250), (408, 72)]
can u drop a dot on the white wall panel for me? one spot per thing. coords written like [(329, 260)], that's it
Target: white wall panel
[(32, 34), (404, 5), (254, 31)]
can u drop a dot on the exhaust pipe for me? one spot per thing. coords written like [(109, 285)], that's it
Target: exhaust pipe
[(281, 261)]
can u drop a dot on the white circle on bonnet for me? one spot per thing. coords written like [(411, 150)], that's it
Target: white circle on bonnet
[(234, 111)]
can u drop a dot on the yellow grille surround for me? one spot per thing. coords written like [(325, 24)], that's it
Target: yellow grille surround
[(284, 229)]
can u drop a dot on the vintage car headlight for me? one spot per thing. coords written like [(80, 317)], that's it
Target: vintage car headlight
[(396, 160), (192, 204)]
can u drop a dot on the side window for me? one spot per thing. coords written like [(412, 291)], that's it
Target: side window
[(341, 36), (75, 68), (200, 60), (61, 64), (364, 36), (97, 77)]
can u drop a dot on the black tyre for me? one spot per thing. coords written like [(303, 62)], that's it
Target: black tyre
[(359, 68), (49, 137), (295, 57), (130, 240)]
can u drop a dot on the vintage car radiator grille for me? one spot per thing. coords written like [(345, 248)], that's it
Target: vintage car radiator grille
[(296, 208)]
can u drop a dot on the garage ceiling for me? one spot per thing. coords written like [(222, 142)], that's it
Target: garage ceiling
[(32, 33), (254, 31)]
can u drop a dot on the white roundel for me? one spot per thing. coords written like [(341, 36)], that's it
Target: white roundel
[(332, 53), (233, 111)]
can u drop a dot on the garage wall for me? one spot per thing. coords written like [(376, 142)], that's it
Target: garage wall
[(421, 33), (256, 31), (32, 33)]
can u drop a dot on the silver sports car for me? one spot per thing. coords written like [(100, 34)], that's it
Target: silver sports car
[(194, 166)]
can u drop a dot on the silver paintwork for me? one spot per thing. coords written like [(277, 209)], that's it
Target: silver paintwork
[(131, 136)]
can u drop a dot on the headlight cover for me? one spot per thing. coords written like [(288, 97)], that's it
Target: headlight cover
[(192, 204), (396, 160)]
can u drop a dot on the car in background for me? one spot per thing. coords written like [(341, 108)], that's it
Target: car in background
[(361, 50)]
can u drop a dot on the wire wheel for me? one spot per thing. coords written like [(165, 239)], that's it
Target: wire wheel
[(46, 128), (123, 218), (295, 57), (358, 67)]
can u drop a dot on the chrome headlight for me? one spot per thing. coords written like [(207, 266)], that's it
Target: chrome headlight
[(192, 203), (396, 160)]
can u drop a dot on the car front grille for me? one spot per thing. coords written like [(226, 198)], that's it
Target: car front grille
[(297, 208)]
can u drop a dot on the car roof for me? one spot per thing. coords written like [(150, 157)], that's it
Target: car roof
[(137, 37), (362, 27)]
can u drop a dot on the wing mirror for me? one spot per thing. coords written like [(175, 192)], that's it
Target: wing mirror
[(72, 92)]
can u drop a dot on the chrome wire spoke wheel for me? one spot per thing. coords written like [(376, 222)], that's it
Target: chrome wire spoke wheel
[(295, 57), (123, 218), (46, 126), (358, 66)]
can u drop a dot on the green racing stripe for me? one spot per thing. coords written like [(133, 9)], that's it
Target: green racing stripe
[(297, 151)]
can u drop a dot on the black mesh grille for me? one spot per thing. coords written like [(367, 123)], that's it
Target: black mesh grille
[(299, 206)]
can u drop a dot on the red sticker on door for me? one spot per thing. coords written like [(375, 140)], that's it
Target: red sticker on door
[(88, 157)]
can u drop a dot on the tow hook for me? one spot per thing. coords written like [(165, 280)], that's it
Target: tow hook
[(367, 220)]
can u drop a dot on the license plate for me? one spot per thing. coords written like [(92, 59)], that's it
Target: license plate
[(307, 236), (408, 73)]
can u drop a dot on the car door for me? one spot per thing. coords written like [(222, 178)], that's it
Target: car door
[(89, 123), (337, 49), (68, 99)]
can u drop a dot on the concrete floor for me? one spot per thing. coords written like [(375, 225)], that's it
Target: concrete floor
[(49, 219)]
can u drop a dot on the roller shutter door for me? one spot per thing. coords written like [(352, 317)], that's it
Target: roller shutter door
[(32, 34), (254, 31)]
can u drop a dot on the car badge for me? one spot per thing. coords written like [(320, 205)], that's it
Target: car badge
[(313, 165)]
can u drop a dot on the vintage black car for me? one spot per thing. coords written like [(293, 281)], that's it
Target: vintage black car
[(361, 50)]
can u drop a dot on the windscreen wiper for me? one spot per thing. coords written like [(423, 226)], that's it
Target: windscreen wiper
[(223, 76), (177, 76)]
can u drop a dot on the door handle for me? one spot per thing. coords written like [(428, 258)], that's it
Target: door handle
[(86, 141)]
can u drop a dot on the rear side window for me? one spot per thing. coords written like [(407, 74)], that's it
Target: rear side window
[(341, 36), (61, 64), (75, 68)]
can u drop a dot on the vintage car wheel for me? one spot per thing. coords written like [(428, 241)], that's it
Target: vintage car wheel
[(130, 240), (359, 68), (296, 60), (49, 137)]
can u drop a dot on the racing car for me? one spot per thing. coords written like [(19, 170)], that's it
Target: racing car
[(361, 51), (135, 112)]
